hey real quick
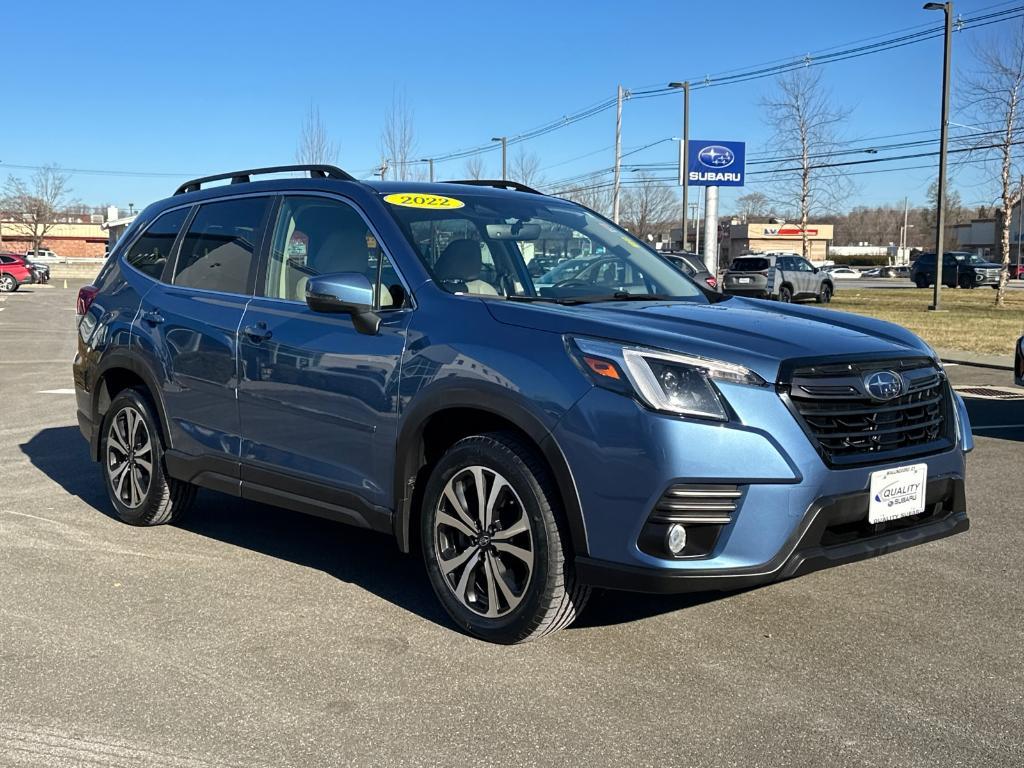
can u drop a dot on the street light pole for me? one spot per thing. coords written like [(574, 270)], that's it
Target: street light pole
[(684, 156), (430, 162), (504, 154), (940, 216)]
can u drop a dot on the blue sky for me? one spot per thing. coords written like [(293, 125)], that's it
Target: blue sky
[(189, 88)]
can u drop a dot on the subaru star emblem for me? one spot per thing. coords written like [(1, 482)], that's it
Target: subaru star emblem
[(716, 156), (884, 385)]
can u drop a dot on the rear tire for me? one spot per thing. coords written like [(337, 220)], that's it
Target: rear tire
[(921, 281), (132, 453), (785, 294), (495, 543), (8, 284)]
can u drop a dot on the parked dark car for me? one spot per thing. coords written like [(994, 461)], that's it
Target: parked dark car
[(294, 342), (692, 265), (40, 270), (785, 277), (14, 272), (960, 269)]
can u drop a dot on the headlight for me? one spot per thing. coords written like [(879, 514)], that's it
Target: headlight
[(664, 381)]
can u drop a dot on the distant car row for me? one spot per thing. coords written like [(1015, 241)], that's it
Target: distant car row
[(17, 270)]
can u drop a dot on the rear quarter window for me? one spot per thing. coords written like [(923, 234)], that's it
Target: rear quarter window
[(150, 252)]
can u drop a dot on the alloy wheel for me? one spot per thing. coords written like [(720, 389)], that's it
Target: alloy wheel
[(6, 283), (483, 541), (129, 457)]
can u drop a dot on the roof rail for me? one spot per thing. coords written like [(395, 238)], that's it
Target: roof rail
[(497, 183), (243, 177)]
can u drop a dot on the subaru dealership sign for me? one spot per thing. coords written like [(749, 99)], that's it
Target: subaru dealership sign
[(716, 163)]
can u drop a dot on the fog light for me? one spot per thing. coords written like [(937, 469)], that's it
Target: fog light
[(676, 538)]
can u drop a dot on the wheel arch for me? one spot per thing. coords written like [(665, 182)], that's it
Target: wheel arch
[(120, 371), (439, 419)]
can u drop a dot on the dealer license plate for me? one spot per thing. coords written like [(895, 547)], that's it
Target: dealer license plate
[(897, 492), (742, 279)]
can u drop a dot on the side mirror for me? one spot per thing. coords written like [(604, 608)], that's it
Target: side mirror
[(347, 293), (816, 270)]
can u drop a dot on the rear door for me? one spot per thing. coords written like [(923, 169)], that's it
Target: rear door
[(192, 322), (318, 399), (808, 279)]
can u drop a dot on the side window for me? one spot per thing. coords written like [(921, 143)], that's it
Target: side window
[(804, 265), (317, 236), (218, 250), (150, 252), (784, 264)]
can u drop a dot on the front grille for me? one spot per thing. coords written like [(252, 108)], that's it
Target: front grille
[(991, 275), (848, 426)]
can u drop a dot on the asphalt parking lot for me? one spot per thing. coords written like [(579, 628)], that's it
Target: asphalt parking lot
[(249, 636)]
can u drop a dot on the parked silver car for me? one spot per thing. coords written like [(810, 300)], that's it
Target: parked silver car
[(785, 277)]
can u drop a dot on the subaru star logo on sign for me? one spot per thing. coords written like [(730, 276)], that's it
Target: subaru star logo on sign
[(716, 163), (884, 385)]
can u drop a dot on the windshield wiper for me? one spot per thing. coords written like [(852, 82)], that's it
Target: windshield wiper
[(573, 300)]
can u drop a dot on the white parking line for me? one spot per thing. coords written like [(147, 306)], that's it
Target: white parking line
[(56, 392)]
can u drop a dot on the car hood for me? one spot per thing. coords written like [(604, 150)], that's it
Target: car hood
[(755, 333)]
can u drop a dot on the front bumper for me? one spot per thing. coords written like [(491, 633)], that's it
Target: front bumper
[(834, 532), (791, 508)]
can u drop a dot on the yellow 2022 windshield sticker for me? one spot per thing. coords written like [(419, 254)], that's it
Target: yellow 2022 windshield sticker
[(419, 200)]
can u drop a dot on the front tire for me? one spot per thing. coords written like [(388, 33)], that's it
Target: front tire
[(495, 543), (133, 469), (825, 294)]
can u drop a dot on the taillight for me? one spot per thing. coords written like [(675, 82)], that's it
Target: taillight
[(86, 295), (712, 282), (763, 272)]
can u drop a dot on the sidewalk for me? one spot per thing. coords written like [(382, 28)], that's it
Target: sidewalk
[(963, 357)]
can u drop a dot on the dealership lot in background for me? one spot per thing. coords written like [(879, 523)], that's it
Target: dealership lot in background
[(253, 636)]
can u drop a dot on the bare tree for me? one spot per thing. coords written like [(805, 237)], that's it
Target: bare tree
[(593, 192), (398, 139), (805, 123), (994, 93), (525, 168), (751, 205), (649, 206), (34, 207), (474, 168), (315, 145)]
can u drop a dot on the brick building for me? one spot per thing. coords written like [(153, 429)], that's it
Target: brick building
[(79, 237)]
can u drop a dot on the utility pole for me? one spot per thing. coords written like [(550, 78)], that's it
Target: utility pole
[(430, 162), (383, 170), (902, 256), (711, 230), (940, 217), (684, 155), (618, 155), (504, 156)]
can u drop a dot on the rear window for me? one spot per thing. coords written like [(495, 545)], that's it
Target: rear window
[(750, 264)]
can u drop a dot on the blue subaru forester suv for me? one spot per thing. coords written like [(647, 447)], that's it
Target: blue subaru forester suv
[(382, 354)]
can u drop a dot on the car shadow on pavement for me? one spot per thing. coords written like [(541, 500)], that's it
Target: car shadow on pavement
[(1001, 419), (366, 559)]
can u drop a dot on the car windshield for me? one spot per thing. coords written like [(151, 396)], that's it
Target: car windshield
[(485, 245)]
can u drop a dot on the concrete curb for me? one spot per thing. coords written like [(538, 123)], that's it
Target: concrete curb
[(961, 357)]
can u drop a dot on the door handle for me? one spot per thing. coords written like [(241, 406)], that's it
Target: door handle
[(258, 332), (153, 317)]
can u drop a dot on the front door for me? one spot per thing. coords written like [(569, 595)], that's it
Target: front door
[(318, 399)]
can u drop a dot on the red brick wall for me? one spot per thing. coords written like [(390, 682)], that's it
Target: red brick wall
[(71, 247)]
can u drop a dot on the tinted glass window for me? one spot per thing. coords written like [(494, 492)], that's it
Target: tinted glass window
[(750, 264), (218, 250), (150, 252), (6, 260), (318, 236)]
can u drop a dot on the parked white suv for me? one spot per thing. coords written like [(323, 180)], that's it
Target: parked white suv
[(42, 256)]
